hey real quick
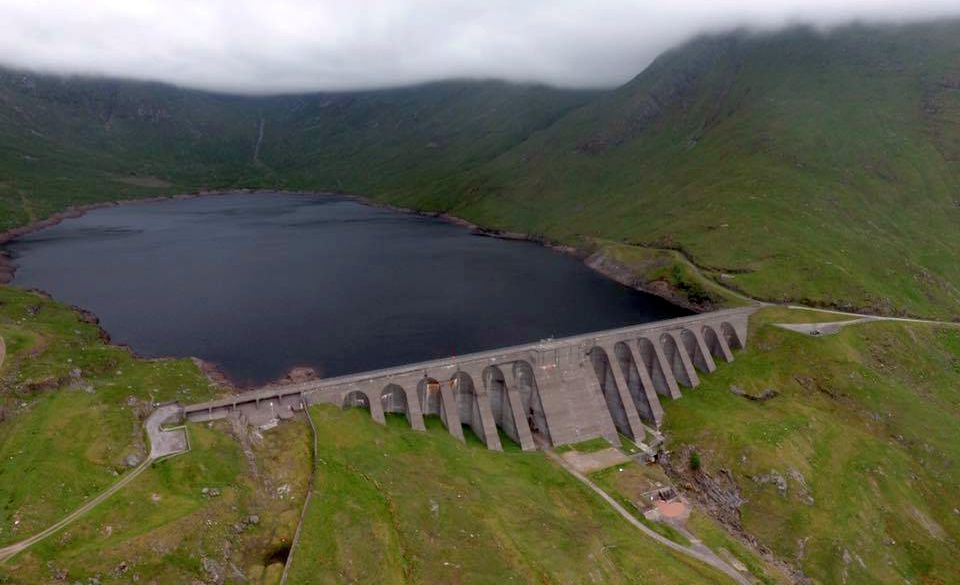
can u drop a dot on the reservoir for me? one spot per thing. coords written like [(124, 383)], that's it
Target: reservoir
[(261, 283)]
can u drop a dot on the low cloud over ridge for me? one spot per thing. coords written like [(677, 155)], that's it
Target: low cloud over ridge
[(251, 46)]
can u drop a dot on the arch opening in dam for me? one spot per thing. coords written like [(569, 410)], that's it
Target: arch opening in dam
[(503, 415), (730, 334), (675, 359), (468, 404), (611, 393), (529, 393), (717, 345), (552, 392), (393, 399), (691, 343), (356, 399), (634, 381), (662, 384), (431, 399)]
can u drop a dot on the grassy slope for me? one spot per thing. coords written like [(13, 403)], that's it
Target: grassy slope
[(161, 527), (868, 419), (415, 145), (71, 410), (808, 167), (76, 142), (421, 507), (68, 142), (818, 168)]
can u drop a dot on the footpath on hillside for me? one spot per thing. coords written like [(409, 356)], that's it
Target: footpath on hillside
[(164, 443)]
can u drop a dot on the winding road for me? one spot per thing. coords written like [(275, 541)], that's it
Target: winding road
[(163, 443), (698, 551), (11, 550)]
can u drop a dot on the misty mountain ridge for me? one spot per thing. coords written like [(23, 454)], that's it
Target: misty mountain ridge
[(801, 165)]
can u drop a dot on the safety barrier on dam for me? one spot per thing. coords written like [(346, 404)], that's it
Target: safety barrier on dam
[(561, 391)]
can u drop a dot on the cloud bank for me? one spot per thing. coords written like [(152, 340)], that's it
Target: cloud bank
[(275, 46)]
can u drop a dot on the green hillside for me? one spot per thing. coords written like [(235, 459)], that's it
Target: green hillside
[(818, 168), (407, 507), (846, 475), (793, 166), (850, 472), (77, 141)]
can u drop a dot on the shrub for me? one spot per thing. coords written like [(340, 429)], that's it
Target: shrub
[(695, 462)]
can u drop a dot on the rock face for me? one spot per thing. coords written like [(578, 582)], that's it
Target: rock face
[(775, 478), (718, 493), (214, 570)]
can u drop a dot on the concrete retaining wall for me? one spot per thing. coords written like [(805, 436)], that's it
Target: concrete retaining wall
[(560, 390)]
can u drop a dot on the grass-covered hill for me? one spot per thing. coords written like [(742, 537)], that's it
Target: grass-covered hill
[(74, 141), (849, 473), (820, 167)]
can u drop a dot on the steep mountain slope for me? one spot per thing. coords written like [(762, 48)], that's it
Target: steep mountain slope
[(792, 166), (64, 142), (818, 167), (404, 141)]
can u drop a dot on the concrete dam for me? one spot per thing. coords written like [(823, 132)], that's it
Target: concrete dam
[(552, 392)]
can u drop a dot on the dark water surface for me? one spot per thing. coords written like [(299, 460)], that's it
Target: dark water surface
[(262, 283)]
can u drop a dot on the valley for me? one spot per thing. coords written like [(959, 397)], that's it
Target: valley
[(803, 181)]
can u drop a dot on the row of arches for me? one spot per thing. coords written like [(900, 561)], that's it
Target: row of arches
[(632, 373), (497, 396), (505, 398)]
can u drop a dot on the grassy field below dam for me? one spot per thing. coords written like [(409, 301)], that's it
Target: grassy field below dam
[(71, 415), (396, 506), (846, 472)]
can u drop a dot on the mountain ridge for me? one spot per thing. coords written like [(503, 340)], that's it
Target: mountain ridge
[(807, 166)]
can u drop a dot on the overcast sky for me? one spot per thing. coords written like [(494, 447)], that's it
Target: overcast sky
[(264, 46)]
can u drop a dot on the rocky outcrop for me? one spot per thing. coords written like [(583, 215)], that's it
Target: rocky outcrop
[(719, 495)]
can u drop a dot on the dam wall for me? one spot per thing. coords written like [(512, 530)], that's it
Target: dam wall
[(552, 392)]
